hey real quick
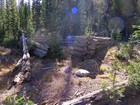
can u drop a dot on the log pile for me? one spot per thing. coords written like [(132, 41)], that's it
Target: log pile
[(102, 41), (87, 45), (23, 65)]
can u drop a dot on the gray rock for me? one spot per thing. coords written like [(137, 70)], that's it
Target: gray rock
[(82, 73), (67, 69)]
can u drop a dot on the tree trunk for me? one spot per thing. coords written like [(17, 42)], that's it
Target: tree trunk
[(23, 65), (96, 97)]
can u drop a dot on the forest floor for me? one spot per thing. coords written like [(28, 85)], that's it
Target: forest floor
[(50, 85)]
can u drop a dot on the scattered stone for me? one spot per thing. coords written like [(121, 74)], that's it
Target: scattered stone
[(67, 69), (82, 73)]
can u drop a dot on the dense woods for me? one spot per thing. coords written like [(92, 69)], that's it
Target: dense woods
[(92, 17)]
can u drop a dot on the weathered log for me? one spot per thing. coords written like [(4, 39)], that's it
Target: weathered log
[(23, 65), (41, 46), (88, 45), (41, 51), (39, 54), (78, 53), (78, 48), (94, 96)]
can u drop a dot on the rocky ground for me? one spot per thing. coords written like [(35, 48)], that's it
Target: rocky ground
[(55, 81)]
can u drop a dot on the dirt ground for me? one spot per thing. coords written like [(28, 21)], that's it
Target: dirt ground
[(49, 83)]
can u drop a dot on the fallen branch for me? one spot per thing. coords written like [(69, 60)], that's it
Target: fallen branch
[(95, 96)]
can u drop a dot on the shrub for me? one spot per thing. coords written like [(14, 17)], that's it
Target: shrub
[(124, 51), (17, 100), (115, 35), (135, 37), (88, 29), (8, 42), (114, 93), (55, 51), (134, 74)]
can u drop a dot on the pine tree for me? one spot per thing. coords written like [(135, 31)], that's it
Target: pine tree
[(8, 23), (15, 20), (29, 22), (53, 14), (22, 16), (2, 20), (36, 13), (43, 14)]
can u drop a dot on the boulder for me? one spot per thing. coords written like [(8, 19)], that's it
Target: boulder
[(82, 73)]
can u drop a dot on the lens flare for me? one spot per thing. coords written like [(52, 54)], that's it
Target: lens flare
[(116, 24), (69, 37), (74, 10)]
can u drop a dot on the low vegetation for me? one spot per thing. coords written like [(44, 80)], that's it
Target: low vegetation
[(17, 100)]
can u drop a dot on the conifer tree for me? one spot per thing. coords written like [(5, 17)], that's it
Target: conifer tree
[(2, 20), (15, 20), (29, 22), (8, 23), (22, 16)]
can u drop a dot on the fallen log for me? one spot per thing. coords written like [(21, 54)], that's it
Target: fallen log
[(23, 64), (94, 96)]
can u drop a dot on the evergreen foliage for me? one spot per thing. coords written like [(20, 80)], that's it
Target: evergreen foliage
[(92, 17), (135, 37)]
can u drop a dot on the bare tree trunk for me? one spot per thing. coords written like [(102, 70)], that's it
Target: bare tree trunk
[(23, 65)]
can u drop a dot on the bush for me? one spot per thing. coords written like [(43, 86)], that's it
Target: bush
[(55, 51), (115, 35), (17, 100), (134, 74), (124, 52), (135, 37), (8, 42)]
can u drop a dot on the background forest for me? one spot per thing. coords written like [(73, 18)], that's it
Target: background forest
[(74, 17)]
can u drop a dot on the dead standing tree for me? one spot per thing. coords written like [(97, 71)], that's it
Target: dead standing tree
[(23, 65)]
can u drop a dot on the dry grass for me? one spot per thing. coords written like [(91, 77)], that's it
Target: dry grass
[(5, 69), (3, 84), (47, 77), (4, 51)]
